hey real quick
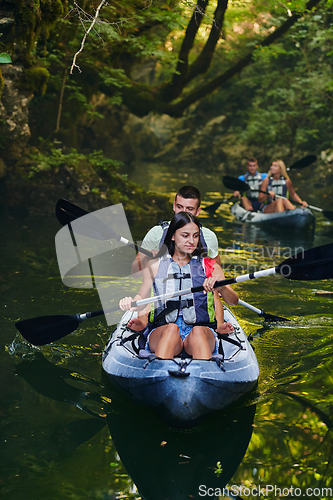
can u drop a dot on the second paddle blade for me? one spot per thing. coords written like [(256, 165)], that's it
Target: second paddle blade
[(211, 209), (234, 184), (304, 162), (271, 318), (309, 265), (66, 212), (46, 329), (328, 214)]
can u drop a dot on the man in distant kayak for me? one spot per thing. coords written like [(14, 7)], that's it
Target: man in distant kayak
[(188, 199), (254, 179)]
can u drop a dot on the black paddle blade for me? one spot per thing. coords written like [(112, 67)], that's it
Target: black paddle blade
[(234, 184), (211, 209), (328, 214), (273, 319), (90, 226), (47, 329), (66, 212), (304, 162), (313, 264)]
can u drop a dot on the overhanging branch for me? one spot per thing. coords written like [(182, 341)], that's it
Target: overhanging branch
[(173, 90), (178, 108), (203, 61)]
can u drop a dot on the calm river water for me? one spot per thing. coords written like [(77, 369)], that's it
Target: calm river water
[(67, 434)]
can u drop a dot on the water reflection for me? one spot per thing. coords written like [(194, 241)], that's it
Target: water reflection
[(272, 237), (55, 381), (163, 462), (287, 442), (44, 439), (166, 463)]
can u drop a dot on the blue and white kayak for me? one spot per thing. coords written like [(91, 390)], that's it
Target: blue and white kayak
[(299, 218), (181, 390)]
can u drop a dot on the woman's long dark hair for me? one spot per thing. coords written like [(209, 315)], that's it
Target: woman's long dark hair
[(178, 221)]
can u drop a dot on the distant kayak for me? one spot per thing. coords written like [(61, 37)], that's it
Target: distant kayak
[(299, 218), (181, 390)]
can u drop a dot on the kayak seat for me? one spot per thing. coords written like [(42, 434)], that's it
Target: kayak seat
[(139, 339), (143, 353)]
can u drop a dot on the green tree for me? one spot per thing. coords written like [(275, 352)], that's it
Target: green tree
[(178, 41), (231, 32)]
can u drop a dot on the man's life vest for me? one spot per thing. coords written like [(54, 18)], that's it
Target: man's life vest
[(279, 187), (254, 182), (165, 227), (196, 308)]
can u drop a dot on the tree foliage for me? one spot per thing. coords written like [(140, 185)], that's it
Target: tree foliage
[(266, 66), (182, 39), (153, 56)]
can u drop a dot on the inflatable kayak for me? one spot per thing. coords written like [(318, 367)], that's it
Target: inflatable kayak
[(299, 218), (182, 390)]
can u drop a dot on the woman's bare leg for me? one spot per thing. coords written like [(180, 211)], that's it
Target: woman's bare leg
[(165, 341), (200, 342), (246, 203), (275, 206), (287, 204), (278, 205)]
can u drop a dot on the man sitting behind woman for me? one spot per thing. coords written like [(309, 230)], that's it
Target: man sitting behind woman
[(278, 183), (191, 320)]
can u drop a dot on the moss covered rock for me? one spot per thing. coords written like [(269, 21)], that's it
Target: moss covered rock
[(35, 79)]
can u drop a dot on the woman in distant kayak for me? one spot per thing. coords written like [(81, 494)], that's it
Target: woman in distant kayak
[(277, 183), (187, 321)]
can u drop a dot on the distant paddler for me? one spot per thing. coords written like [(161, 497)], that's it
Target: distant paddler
[(280, 187), (254, 179)]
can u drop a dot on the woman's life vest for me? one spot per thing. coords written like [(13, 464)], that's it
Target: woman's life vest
[(165, 227), (254, 182), (279, 187), (197, 308)]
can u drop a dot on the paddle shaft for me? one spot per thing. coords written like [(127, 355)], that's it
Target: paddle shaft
[(179, 293), (271, 318), (133, 245), (249, 306), (313, 264), (297, 202), (276, 195)]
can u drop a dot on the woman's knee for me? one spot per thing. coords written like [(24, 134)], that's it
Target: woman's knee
[(196, 330), (197, 333), (171, 332)]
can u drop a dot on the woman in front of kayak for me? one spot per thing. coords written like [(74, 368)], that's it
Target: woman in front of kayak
[(278, 183), (190, 322)]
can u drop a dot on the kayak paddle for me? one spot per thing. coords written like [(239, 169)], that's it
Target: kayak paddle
[(268, 317), (67, 212), (303, 162), (211, 209), (309, 265), (235, 184)]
